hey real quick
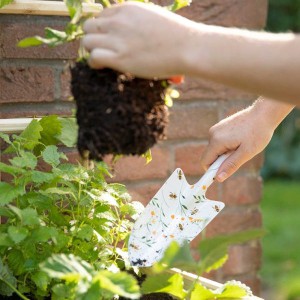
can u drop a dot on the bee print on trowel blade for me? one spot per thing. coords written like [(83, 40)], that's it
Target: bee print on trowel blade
[(216, 208), (179, 172), (194, 211), (173, 196)]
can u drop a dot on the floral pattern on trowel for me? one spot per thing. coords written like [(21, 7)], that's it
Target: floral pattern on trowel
[(178, 212)]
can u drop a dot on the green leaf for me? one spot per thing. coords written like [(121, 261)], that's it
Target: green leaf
[(27, 159), (64, 291), (201, 293), (69, 132), (6, 279), (178, 257), (178, 4), (51, 155), (232, 291), (164, 283), (213, 250), (67, 267), (10, 169), (17, 234), (148, 156), (43, 234), (55, 34), (41, 280), (5, 2), (30, 217), (4, 136), (8, 193), (110, 283), (30, 136), (85, 232), (5, 240), (51, 130), (5, 212), (75, 10), (30, 42), (217, 263), (41, 177), (16, 260)]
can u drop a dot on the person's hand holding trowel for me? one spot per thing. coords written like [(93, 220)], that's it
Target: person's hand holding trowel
[(245, 133)]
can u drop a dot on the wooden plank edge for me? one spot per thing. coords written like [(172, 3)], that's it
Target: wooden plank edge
[(46, 8), (14, 125), (210, 284)]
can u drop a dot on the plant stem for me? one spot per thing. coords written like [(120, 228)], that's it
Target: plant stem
[(105, 3), (15, 290)]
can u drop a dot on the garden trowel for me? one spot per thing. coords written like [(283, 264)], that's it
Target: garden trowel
[(178, 212)]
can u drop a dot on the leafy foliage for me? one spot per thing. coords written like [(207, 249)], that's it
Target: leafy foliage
[(62, 208), (5, 2), (282, 159)]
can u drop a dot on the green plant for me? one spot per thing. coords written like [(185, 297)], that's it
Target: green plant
[(64, 209)]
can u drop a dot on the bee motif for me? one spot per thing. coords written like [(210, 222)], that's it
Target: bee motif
[(135, 247), (216, 208), (180, 226), (173, 196), (179, 174), (196, 220), (195, 210)]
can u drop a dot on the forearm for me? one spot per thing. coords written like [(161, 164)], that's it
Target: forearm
[(271, 112), (261, 63)]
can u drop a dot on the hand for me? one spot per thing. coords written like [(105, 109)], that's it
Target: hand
[(142, 39), (245, 134)]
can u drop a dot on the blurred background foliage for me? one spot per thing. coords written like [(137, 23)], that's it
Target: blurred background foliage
[(280, 204), (283, 153)]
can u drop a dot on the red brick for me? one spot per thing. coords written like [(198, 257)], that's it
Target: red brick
[(255, 164), (234, 220), (242, 190), (65, 85), (143, 193), (134, 168), (243, 259), (13, 32), (26, 84), (187, 157), (196, 89), (234, 13), (191, 122)]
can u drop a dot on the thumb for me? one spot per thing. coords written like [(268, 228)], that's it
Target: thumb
[(231, 165)]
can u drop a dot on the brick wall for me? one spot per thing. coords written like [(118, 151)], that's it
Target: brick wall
[(34, 82)]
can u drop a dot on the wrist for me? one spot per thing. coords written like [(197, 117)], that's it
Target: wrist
[(271, 112)]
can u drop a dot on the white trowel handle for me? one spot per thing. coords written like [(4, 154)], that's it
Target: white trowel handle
[(208, 178)]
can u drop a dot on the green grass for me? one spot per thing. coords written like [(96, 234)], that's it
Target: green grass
[(281, 246)]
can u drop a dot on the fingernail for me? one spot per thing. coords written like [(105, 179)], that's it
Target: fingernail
[(222, 176)]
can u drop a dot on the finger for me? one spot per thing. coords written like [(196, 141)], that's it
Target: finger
[(92, 41), (232, 164), (97, 25), (211, 153), (100, 58)]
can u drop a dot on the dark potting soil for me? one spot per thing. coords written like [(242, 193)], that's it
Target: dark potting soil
[(117, 113), (154, 296)]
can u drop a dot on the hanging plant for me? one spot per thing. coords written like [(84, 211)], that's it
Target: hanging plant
[(117, 113)]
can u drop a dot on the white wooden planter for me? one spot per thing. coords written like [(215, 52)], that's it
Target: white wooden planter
[(46, 8)]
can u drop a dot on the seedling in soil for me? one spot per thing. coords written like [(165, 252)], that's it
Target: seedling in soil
[(117, 113)]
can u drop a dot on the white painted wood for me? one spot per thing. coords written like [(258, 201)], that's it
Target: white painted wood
[(14, 125), (210, 284), (50, 8)]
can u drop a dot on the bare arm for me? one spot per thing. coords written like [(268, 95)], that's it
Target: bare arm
[(245, 134), (149, 41), (262, 63)]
